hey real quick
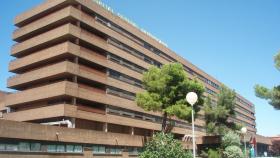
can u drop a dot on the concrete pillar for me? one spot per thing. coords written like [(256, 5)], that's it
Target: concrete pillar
[(87, 152), (125, 154)]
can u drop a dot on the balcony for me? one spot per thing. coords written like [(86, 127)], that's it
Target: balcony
[(39, 74), (12, 129), (40, 93), (34, 13), (41, 41), (43, 56), (49, 111), (45, 23)]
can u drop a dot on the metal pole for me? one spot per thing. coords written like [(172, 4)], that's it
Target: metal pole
[(245, 146), (193, 134)]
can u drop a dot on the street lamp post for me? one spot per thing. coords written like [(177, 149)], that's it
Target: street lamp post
[(192, 99), (244, 131)]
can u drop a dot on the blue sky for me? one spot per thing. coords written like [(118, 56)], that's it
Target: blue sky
[(233, 41)]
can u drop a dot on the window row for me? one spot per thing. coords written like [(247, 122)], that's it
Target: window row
[(151, 118), (133, 52), (113, 150), (124, 78), (203, 79), (38, 147), (243, 102), (243, 116), (244, 123), (145, 45), (15, 146), (126, 63), (243, 109), (210, 91), (132, 37), (120, 93), (207, 81)]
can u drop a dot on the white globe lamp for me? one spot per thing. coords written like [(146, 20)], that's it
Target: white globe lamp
[(191, 98)]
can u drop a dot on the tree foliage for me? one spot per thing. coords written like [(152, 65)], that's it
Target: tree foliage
[(217, 114), (164, 146), (233, 152), (165, 91), (272, 95), (231, 145), (230, 139), (211, 153)]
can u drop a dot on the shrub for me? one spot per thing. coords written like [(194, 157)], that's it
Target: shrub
[(230, 139), (213, 154), (164, 146), (233, 152)]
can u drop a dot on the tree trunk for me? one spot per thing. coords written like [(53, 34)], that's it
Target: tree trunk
[(164, 119)]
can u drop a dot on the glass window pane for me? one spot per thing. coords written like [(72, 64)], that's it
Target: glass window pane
[(95, 149), (35, 146), (118, 151), (60, 148), (133, 151), (107, 150), (112, 150), (102, 149), (2, 147), (69, 148), (51, 148), (24, 146), (12, 147), (78, 149)]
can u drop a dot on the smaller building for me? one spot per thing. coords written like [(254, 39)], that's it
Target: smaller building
[(262, 145), (274, 149), (3, 95)]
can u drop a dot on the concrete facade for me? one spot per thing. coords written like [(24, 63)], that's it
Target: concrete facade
[(77, 61)]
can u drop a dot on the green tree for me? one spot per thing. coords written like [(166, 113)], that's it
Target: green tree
[(233, 152), (217, 114), (230, 139), (272, 95), (231, 146), (164, 146), (165, 91)]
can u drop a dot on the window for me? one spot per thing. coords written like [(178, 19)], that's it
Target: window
[(133, 151), (2, 147), (51, 148), (60, 148), (113, 150), (78, 149), (12, 147), (24, 146), (98, 149), (35, 146), (69, 148)]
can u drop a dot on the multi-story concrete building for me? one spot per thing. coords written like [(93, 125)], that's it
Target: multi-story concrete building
[(78, 64)]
